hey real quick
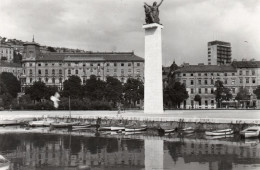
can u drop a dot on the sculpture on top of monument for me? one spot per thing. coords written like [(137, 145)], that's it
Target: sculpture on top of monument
[(152, 13)]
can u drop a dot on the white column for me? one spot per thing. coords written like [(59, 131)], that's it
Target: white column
[(153, 89)]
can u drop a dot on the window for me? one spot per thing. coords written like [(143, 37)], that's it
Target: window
[(184, 74), (39, 64), (199, 82), (212, 90), (240, 72), (212, 102), (225, 74), (60, 71), (199, 74), (98, 64), (253, 80), (107, 70), (253, 72), (206, 81), (247, 73), (191, 91), (30, 80), (69, 71), (199, 90), (60, 80), (129, 70), (212, 81), (205, 74), (217, 74), (30, 64), (225, 81), (129, 64), (206, 90), (40, 79), (212, 74), (191, 74), (206, 103), (122, 71), (241, 80), (115, 70), (184, 82), (30, 71), (46, 80), (53, 64), (53, 71), (69, 64), (76, 71), (191, 82), (39, 72), (247, 80), (115, 64), (60, 64), (233, 81), (91, 64), (108, 64), (233, 74), (122, 64), (53, 80), (138, 64)]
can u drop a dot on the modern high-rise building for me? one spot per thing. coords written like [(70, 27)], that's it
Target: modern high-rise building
[(219, 53)]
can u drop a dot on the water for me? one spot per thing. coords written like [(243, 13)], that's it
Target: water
[(41, 149)]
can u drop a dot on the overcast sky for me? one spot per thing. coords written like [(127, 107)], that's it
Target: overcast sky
[(116, 25)]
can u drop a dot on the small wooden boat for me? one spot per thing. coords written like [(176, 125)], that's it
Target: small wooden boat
[(117, 128), (188, 130), (9, 122), (63, 124), (250, 132), (219, 137), (104, 128), (40, 123), (80, 127), (135, 128), (165, 130), (219, 132), (4, 163)]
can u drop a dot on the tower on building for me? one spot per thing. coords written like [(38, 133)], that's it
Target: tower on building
[(219, 53)]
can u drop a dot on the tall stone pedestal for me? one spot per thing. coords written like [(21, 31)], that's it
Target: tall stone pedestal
[(153, 89)]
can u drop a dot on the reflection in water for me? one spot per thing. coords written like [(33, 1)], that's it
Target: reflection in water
[(52, 151)]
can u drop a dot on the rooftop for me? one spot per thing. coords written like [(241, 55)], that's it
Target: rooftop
[(217, 42), (7, 64), (206, 68), (246, 64)]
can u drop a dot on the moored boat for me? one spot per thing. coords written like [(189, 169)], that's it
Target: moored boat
[(219, 137), (4, 163), (80, 127), (165, 130), (222, 132), (9, 122), (40, 123), (135, 128), (63, 124), (188, 130), (250, 132)]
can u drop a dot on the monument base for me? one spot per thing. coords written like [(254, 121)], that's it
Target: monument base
[(153, 85)]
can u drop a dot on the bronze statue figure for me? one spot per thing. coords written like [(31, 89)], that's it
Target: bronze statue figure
[(152, 13)]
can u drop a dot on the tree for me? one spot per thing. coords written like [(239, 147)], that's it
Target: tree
[(222, 93), (51, 49), (176, 93), (37, 91), (11, 83), (197, 98), (94, 89), (257, 92), (17, 57), (133, 90), (113, 90), (243, 94), (72, 87)]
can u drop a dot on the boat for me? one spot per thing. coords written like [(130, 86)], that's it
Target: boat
[(9, 122), (219, 137), (117, 128), (188, 130), (113, 127), (80, 127), (39, 123), (4, 163), (165, 130), (63, 124), (135, 128), (250, 132), (104, 128), (219, 132)]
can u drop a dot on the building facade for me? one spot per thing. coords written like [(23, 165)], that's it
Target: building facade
[(14, 68), (6, 53), (54, 68), (200, 79), (219, 53)]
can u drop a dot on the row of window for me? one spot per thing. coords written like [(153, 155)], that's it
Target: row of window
[(7, 51), (84, 64), (206, 102), (204, 90), (205, 74), (246, 72)]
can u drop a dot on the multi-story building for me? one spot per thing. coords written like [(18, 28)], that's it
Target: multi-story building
[(6, 53), (200, 79), (14, 68), (54, 68), (219, 53)]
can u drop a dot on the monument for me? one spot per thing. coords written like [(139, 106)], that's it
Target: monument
[(153, 87)]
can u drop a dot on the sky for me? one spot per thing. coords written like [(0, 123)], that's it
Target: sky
[(116, 25)]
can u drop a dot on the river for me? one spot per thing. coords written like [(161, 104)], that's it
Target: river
[(41, 149)]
